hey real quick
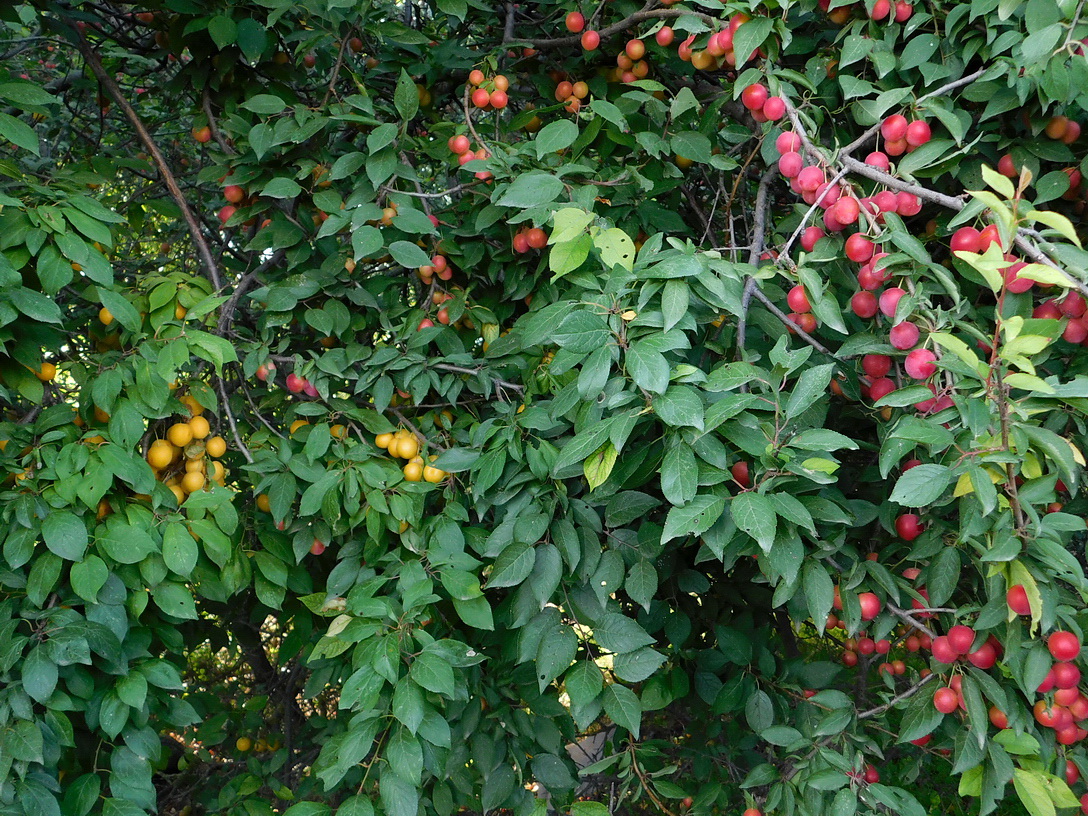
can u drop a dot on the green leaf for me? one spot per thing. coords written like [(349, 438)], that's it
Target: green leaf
[(531, 190), (252, 38), (675, 298), (749, 37), (589, 809), (367, 240), (433, 673), (121, 807), (65, 535), (308, 809), (40, 675), (23, 741), (695, 518), (676, 266), (1057, 222), (406, 96), (581, 331), (408, 255), (569, 255), (400, 798), (358, 805), (513, 565), (223, 31), (19, 133), (637, 666), (35, 305), (123, 311), (641, 583), (819, 591), (647, 367), (943, 575), (616, 248), (265, 105), (28, 94), (555, 136), (583, 682), (598, 466), (680, 406), (811, 386), (282, 187), (126, 543), (921, 485), (175, 600), (1033, 793), (780, 735), (554, 655), (755, 515), (88, 577), (179, 551), (619, 633), (621, 704), (568, 223)]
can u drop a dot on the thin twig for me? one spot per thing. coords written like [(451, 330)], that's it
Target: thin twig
[(908, 618), (231, 421), (459, 188), (904, 695), (475, 371), (804, 335), (335, 72), (213, 124), (227, 311), (949, 86)]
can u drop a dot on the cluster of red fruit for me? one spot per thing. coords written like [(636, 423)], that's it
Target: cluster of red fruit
[(1072, 306), (959, 643), (920, 364), (969, 239), (841, 207), (763, 107), (1059, 128), (719, 48), (1063, 129), (489, 94), (901, 136), (528, 238), (300, 385), (900, 11), (235, 195), (443, 315), (631, 62), (461, 147), (571, 94), (438, 267), (576, 24), (1065, 710)]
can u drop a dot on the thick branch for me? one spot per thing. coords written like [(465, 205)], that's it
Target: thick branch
[(202, 248)]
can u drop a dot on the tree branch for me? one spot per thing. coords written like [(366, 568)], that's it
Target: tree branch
[(202, 248), (624, 24)]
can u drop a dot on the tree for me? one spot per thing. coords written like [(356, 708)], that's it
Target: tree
[(396, 392)]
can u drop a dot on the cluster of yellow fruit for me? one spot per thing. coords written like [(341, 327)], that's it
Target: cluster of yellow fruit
[(403, 445), (244, 744), (181, 460)]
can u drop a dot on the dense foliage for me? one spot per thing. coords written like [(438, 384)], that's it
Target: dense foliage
[(395, 392)]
